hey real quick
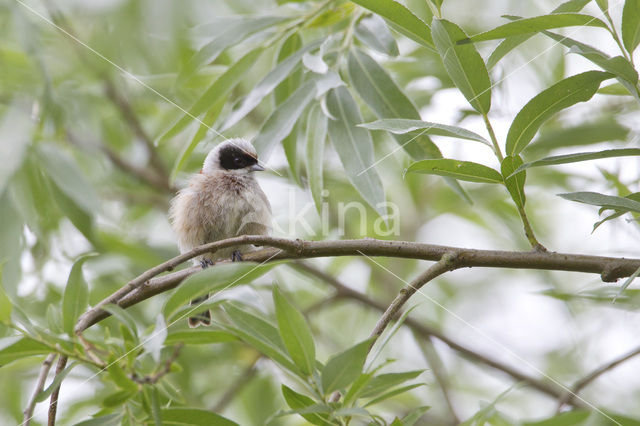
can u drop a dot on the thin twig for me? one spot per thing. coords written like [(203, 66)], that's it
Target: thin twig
[(53, 402), (447, 263), (166, 368), (131, 118), (428, 332), (42, 377), (586, 380)]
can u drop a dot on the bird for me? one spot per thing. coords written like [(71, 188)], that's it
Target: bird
[(223, 201)]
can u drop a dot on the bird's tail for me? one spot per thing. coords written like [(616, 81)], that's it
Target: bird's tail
[(204, 317)]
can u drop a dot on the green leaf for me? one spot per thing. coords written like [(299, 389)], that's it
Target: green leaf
[(124, 317), (261, 335), (281, 121), (14, 348), (108, 420), (213, 279), (514, 181), (295, 333), (393, 393), (405, 21), (510, 43), (631, 25), (5, 303), (401, 126), (15, 130), (384, 382), (199, 337), (373, 32), (155, 407), (580, 156), (414, 415), (76, 295), (44, 394), (66, 175), (565, 93), (270, 82), (120, 378), (294, 77), (354, 146), (634, 196), (536, 24), (462, 170), (218, 90), (386, 100), (233, 35), (588, 133), (207, 122), (463, 63), (298, 401), (194, 416), (343, 368), (314, 155), (608, 201)]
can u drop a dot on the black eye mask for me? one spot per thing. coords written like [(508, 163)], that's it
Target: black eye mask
[(234, 158)]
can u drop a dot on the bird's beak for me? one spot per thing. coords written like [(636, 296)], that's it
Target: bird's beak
[(256, 168)]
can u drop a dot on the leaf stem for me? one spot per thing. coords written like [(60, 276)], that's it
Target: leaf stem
[(528, 230), (492, 135)]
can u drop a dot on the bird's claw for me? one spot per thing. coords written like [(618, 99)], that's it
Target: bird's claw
[(236, 256), (205, 263)]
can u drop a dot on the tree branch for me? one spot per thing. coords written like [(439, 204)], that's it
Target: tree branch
[(53, 402), (147, 285), (42, 377)]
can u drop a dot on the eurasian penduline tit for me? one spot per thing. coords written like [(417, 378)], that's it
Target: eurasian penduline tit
[(224, 200)]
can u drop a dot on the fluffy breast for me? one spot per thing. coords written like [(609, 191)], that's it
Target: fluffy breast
[(216, 206)]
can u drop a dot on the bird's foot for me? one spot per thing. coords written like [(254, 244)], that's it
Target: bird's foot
[(236, 256), (205, 263)]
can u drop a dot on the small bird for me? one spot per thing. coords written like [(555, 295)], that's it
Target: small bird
[(224, 200)]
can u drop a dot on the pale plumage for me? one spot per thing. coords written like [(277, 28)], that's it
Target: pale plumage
[(224, 200)]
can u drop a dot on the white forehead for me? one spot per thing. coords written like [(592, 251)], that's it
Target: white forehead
[(212, 162)]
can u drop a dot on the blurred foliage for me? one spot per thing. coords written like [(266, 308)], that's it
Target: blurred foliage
[(106, 107)]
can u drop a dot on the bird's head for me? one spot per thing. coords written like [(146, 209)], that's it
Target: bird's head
[(236, 156)]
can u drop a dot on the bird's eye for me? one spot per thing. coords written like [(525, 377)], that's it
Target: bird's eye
[(239, 161)]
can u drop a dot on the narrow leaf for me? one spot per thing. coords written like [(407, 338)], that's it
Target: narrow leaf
[(194, 417), (580, 156), (401, 126), (405, 21), (462, 170), (12, 349), (536, 24), (15, 130), (44, 394), (354, 146), (5, 303), (565, 93), (384, 382), (219, 89), (295, 333), (261, 335), (608, 201), (386, 100), (276, 76), (196, 336), (314, 155), (463, 63), (631, 25), (297, 401), (233, 35), (592, 132), (76, 295), (123, 316), (514, 181), (343, 368), (373, 32), (281, 121), (393, 393), (212, 279)]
